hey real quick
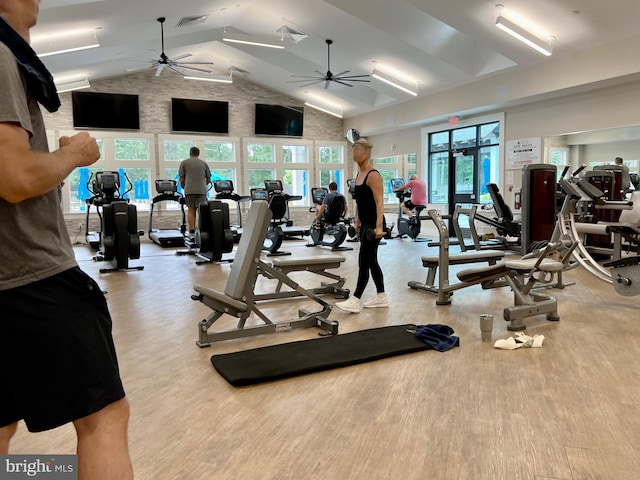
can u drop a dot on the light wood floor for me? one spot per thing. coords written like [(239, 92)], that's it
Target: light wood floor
[(568, 410)]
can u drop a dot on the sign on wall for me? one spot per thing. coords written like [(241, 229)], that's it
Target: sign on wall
[(523, 152)]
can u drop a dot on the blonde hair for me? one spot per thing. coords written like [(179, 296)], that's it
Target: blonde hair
[(363, 144)]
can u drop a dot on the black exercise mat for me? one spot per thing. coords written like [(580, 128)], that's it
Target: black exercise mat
[(306, 356)]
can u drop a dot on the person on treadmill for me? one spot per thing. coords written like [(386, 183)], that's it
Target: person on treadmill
[(194, 175), (418, 194), (327, 201)]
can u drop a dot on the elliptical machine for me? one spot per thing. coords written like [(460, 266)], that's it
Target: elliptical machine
[(119, 238), (224, 191), (407, 226), (213, 236), (332, 222)]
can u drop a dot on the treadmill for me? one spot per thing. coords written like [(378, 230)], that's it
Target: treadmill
[(224, 191), (167, 191)]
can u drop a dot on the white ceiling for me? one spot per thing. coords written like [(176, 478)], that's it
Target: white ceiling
[(436, 44)]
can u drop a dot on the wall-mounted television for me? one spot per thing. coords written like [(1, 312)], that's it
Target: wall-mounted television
[(105, 110), (279, 120), (200, 116)]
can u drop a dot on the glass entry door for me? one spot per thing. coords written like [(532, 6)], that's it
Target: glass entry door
[(463, 178)]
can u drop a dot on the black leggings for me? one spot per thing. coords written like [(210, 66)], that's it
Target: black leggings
[(368, 261)]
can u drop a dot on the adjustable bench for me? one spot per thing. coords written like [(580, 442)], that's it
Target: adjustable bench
[(520, 275), (239, 299), (443, 260), (318, 265)]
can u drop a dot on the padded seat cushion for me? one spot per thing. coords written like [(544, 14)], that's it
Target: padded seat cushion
[(470, 256), (479, 273), (547, 265), (221, 298), (304, 261)]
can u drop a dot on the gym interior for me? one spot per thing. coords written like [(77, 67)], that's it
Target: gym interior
[(567, 410)]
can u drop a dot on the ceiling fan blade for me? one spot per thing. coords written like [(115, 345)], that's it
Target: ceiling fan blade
[(340, 74), (194, 63), (305, 76), (177, 70), (326, 84), (353, 77), (184, 55), (312, 83), (342, 83), (159, 70), (192, 68), (351, 80)]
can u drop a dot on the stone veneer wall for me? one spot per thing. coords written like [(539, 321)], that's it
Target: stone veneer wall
[(155, 101)]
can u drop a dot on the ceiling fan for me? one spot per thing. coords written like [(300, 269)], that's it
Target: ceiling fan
[(173, 63), (329, 77)]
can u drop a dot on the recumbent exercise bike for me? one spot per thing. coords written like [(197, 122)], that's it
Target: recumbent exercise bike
[(277, 200), (332, 222)]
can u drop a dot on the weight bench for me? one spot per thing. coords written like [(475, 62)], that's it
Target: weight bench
[(520, 275), (318, 265), (239, 299), (443, 260)]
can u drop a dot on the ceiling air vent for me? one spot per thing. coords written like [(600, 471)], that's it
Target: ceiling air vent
[(188, 21), (294, 34)]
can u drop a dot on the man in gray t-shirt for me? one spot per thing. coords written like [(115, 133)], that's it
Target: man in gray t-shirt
[(55, 324), (195, 175)]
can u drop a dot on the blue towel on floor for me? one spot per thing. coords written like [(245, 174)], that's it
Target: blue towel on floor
[(440, 337)]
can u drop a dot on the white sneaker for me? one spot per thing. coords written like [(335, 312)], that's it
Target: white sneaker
[(379, 301), (351, 305)]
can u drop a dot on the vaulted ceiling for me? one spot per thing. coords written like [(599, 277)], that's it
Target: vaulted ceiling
[(432, 45)]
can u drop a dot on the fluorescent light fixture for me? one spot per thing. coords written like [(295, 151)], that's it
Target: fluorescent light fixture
[(323, 109), (251, 40), (73, 85), (211, 78), (386, 78), (57, 44), (522, 35)]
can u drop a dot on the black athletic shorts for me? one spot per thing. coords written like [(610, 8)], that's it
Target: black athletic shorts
[(57, 358), (409, 204)]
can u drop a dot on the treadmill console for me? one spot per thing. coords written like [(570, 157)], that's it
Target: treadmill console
[(166, 186)]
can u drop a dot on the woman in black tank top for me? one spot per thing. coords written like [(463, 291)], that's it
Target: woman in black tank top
[(369, 215)]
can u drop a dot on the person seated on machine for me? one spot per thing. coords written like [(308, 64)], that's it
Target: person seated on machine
[(324, 208), (418, 194)]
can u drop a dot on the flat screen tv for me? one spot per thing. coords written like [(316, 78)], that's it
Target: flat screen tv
[(279, 120), (200, 116), (105, 110)]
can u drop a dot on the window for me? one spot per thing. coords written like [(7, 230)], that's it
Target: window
[(439, 178), (261, 153), (331, 167), (295, 154), (177, 150), (283, 159), (219, 152), (129, 155), (560, 158), (388, 168)]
